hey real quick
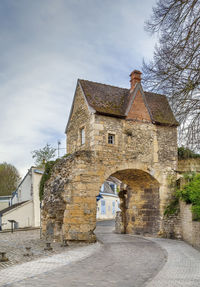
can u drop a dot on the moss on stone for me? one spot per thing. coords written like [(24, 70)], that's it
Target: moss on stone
[(46, 175)]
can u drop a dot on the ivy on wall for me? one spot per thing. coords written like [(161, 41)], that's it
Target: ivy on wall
[(173, 207), (47, 174), (189, 193)]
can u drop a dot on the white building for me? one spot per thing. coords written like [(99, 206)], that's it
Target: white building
[(108, 204), (24, 206)]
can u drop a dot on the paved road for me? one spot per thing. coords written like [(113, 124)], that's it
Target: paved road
[(122, 260), (182, 268)]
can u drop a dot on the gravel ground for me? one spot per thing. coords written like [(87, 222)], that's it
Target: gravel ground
[(14, 244)]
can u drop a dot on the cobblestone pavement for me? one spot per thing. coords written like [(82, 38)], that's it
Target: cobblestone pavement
[(34, 268), (182, 267), (122, 260), (14, 244)]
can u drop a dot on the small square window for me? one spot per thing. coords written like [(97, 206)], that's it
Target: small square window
[(82, 132), (111, 139)]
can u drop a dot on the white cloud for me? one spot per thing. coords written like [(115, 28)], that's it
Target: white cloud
[(45, 46)]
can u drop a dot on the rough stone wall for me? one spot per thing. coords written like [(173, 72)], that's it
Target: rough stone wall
[(189, 165), (181, 225), (69, 210), (190, 228), (119, 224), (172, 227), (140, 203), (144, 156), (149, 144), (80, 119)]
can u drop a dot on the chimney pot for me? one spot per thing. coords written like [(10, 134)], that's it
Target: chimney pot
[(135, 78)]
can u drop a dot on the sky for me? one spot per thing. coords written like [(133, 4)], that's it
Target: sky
[(45, 46)]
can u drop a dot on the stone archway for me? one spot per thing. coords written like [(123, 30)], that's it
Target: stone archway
[(140, 202), (127, 132), (69, 210)]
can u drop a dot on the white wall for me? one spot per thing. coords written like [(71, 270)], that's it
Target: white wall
[(111, 206), (24, 191), (29, 190), (36, 177), (23, 214)]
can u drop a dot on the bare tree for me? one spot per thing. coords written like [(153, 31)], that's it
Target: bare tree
[(175, 68)]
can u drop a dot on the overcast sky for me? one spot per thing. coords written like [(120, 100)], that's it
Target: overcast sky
[(45, 46)]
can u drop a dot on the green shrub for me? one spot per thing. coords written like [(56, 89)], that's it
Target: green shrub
[(46, 175), (191, 194), (173, 207)]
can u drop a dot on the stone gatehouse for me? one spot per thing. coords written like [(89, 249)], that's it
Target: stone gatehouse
[(111, 131)]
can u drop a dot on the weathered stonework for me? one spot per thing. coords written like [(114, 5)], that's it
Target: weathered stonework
[(143, 156), (172, 227), (80, 118), (190, 228), (181, 224), (189, 165)]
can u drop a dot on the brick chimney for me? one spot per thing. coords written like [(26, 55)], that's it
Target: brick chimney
[(135, 78)]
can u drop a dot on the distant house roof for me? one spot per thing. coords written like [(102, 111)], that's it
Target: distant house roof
[(107, 188), (110, 100), (12, 207), (39, 171), (114, 180)]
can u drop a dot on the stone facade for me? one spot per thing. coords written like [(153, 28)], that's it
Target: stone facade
[(172, 227), (80, 118), (143, 155), (189, 165), (181, 224)]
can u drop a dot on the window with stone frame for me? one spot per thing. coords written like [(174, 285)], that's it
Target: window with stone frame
[(111, 138), (82, 135)]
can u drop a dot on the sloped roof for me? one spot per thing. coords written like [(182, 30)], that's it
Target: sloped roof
[(107, 188), (160, 109), (111, 100), (11, 207), (104, 98)]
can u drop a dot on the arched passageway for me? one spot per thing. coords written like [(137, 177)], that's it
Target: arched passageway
[(139, 202), (70, 205)]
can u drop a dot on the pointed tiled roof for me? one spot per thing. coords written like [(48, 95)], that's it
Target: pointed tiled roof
[(110, 100), (160, 109), (104, 98)]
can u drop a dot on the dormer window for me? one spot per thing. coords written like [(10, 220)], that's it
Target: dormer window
[(111, 139), (82, 132)]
